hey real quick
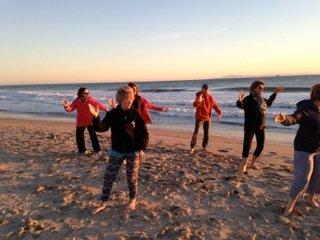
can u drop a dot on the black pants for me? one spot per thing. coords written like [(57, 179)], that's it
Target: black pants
[(93, 137), (249, 132), (205, 140)]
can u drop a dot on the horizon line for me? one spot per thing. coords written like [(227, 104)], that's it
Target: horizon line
[(150, 81)]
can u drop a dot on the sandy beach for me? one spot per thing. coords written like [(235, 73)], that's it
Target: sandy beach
[(47, 191)]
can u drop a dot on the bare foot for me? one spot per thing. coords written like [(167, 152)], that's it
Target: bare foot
[(313, 203), (102, 207), (244, 168), (287, 212), (297, 212), (131, 205), (192, 150), (254, 166), (205, 150)]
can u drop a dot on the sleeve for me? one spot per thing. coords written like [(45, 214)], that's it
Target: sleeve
[(271, 99), (240, 104), (104, 125), (215, 106), (72, 106), (196, 102), (294, 118), (151, 106), (101, 106), (141, 137)]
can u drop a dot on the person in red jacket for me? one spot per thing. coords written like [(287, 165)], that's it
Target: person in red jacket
[(143, 106), (84, 118), (204, 104)]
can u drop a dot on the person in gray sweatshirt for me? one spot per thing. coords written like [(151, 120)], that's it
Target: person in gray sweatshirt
[(306, 160)]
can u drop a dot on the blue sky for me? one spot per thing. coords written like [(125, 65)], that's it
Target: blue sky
[(70, 41)]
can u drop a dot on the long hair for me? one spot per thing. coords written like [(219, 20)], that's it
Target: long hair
[(134, 85), (256, 84), (315, 92), (81, 91)]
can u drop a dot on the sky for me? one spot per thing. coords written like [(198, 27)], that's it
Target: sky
[(147, 40)]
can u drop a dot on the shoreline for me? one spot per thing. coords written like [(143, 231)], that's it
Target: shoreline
[(217, 129)]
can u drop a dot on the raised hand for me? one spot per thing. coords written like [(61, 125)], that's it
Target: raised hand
[(112, 102), (199, 98), (241, 95), (94, 110), (279, 89), (279, 118), (64, 102), (165, 109)]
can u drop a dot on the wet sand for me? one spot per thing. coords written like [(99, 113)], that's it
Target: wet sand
[(47, 191)]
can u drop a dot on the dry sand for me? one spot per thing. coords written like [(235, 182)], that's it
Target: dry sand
[(47, 191)]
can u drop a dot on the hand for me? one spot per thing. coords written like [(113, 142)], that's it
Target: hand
[(64, 102), (279, 89), (279, 118), (200, 98), (241, 95), (165, 109), (94, 110), (219, 117), (112, 102)]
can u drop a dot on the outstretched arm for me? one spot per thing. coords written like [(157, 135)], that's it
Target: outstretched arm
[(101, 106), (290, 119), (100, 126), (153, 107), (67, 106), (271, 99), (240, 99)]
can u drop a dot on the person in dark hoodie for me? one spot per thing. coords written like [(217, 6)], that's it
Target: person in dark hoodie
[(129, 138), (255, 107), (306, 159)]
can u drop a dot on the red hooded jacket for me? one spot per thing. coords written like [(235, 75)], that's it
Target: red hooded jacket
[(84, 116)]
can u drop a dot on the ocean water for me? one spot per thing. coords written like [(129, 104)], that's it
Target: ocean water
[(44, 100)]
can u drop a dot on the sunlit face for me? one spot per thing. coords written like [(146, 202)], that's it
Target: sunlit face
[(84, 95), (259, 90), (135, 90), (126, 103)]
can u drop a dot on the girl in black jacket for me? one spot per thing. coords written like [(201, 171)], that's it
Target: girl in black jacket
[(255, 108), (306, 160), (129, 138)]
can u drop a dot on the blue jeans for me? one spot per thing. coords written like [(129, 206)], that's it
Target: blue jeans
[(306, 174)]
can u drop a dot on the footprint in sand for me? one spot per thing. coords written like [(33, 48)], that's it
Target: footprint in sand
[(223, 150)]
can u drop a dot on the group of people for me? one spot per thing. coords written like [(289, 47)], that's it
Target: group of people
[(129, 115)]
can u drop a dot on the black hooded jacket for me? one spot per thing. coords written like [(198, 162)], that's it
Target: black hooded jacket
[(128, 130), (253, 117), (307, 116)]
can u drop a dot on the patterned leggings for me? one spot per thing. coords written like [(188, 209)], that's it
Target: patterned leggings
[(113, 166)]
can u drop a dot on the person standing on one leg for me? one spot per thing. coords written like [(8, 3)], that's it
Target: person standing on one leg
[(129, 138), (255, 108), (204, 103), (306, 160), (84, 118)]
